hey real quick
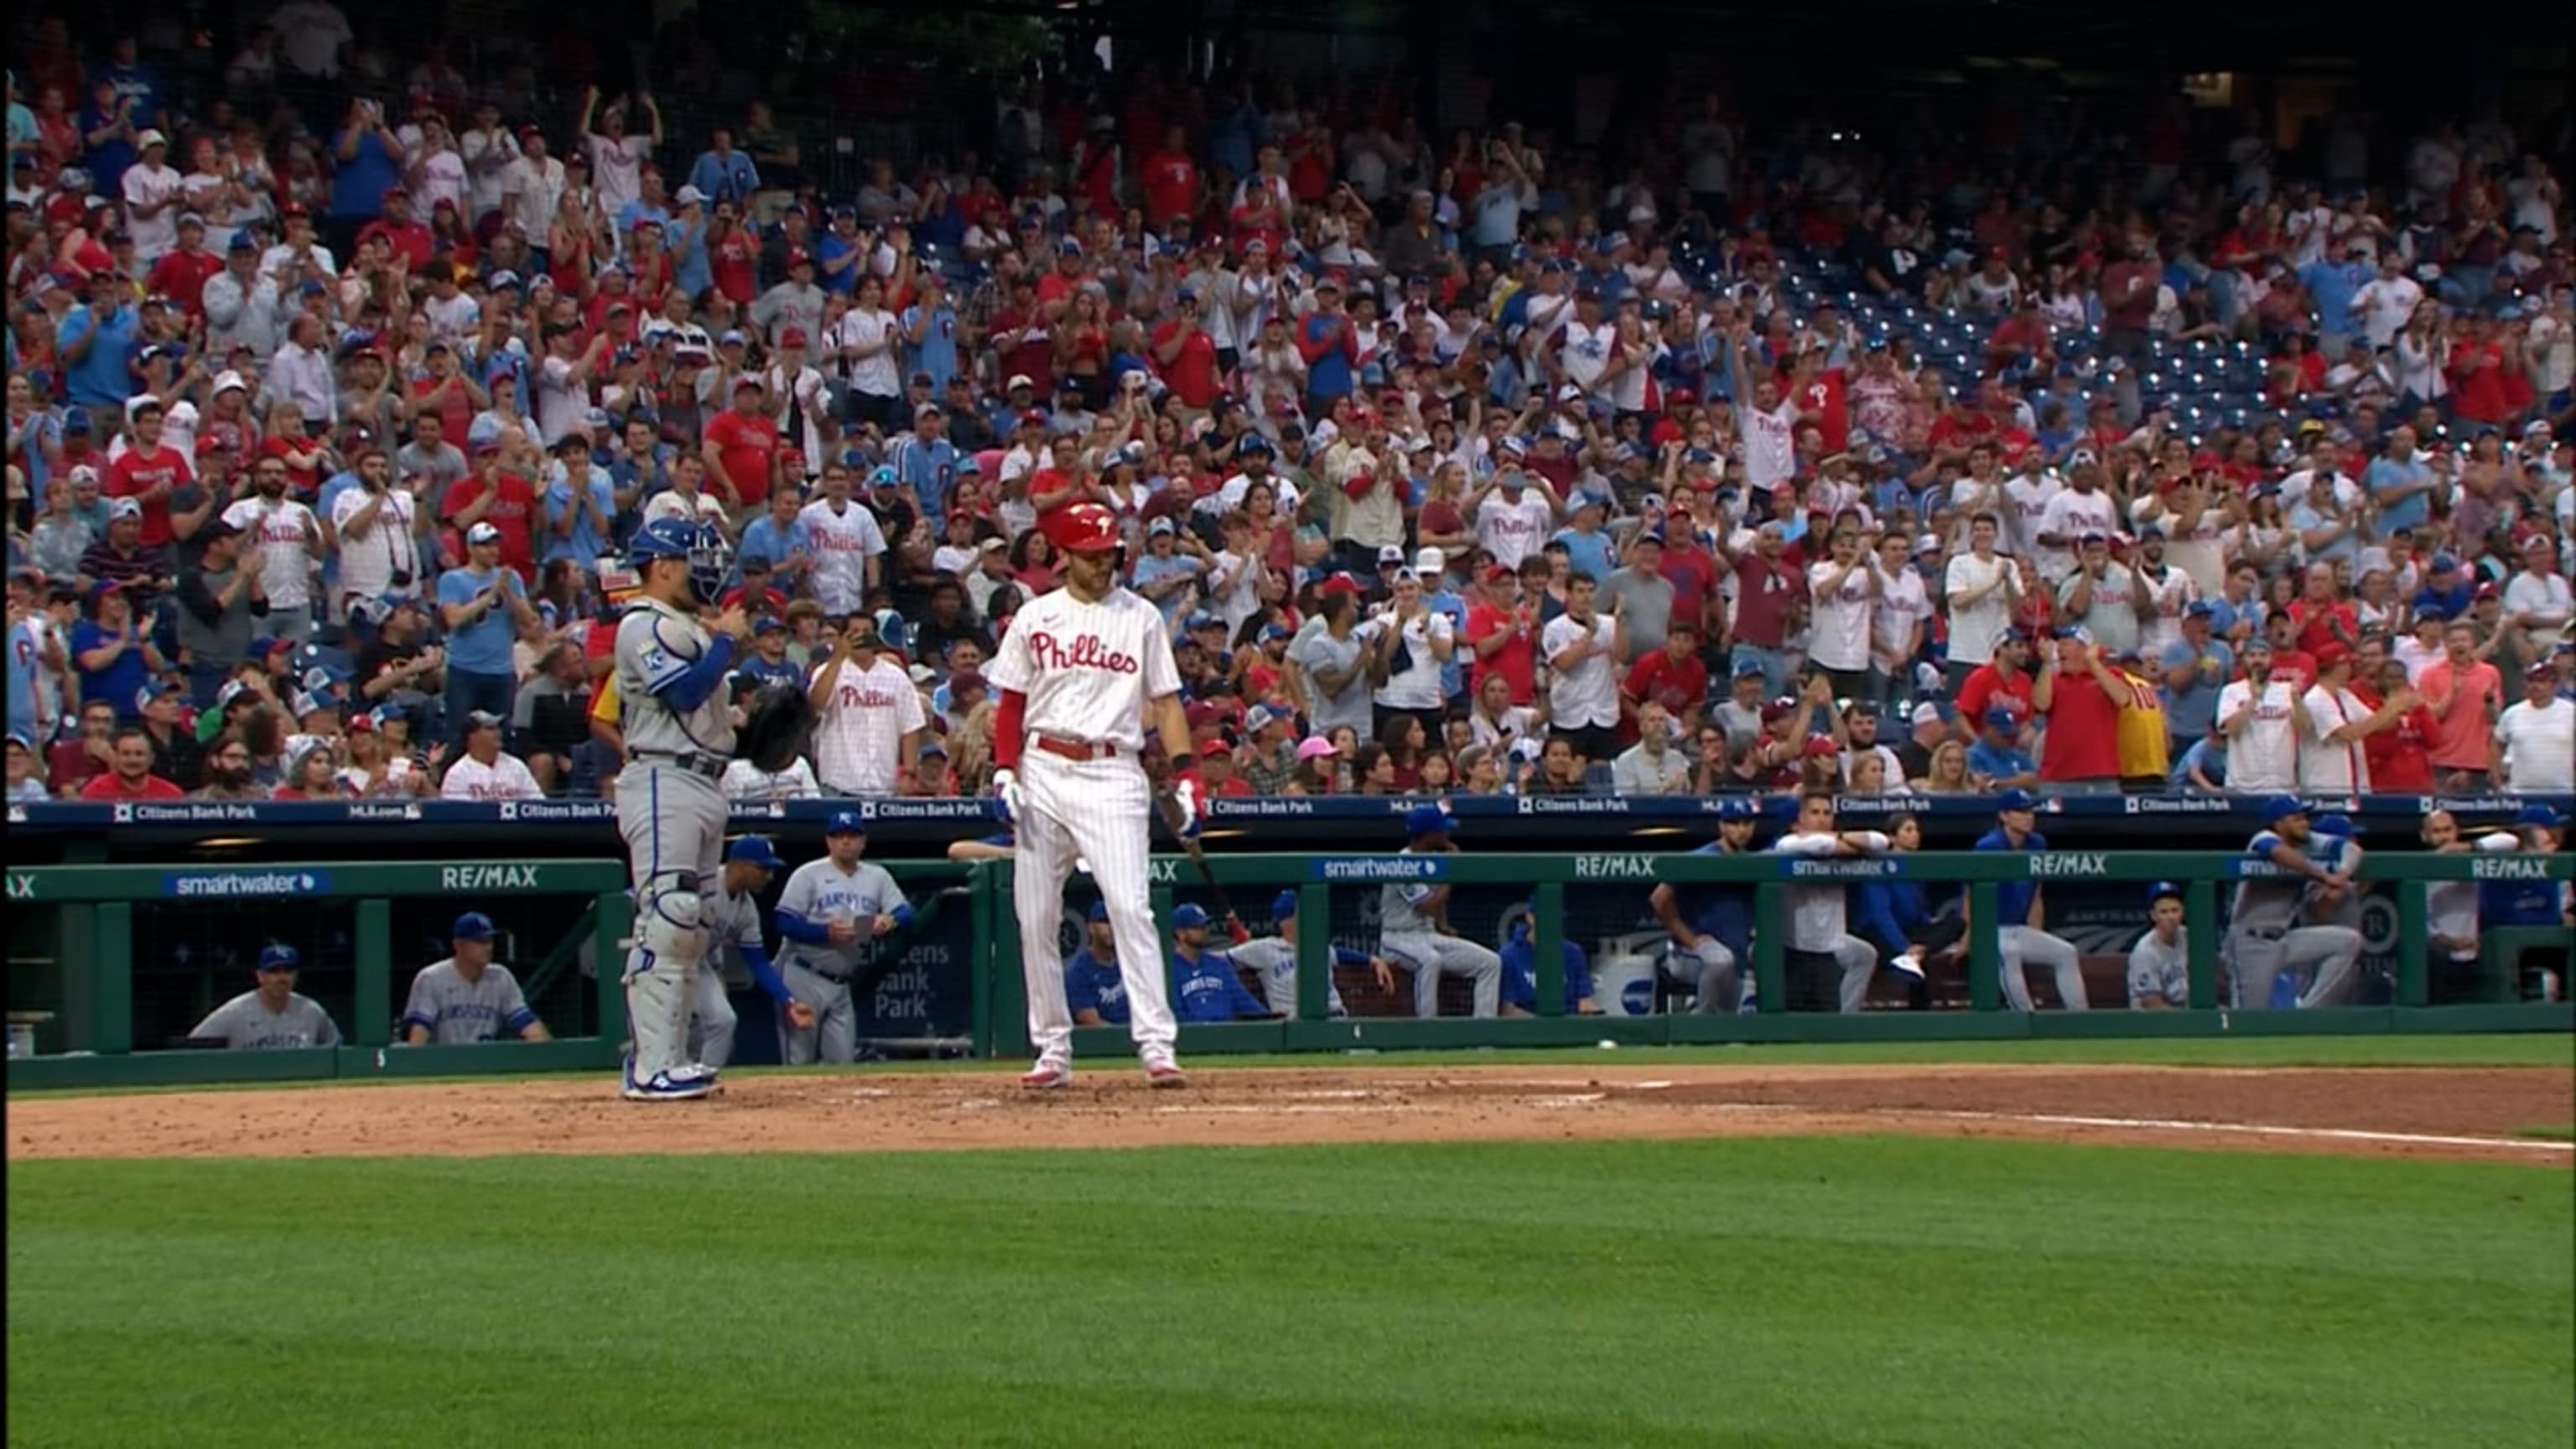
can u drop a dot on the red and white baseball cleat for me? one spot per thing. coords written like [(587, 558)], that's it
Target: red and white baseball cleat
[(1047, 1076), (1166, 1074)]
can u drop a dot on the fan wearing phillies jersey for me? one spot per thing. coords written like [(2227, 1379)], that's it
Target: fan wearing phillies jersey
[(1082, 669), (847, 545), (869, 717)]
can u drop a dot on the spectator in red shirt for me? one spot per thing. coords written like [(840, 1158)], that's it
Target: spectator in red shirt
[(1672, 676), (1765, 589), (2080, 695), (506, 500), (1502, 630), (2323, 618), (2400, 756), (2002, 682), (148, 470), (407, 234), (1185, 356), (71, 764), (129, 774), (181, 273), (1171, 181), (741, 447)]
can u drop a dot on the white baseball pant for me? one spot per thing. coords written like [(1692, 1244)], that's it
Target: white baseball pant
[(833, 1037), (2025, 946), (1098, 810), (2255, 959), (674, 822), (1718, 988), (1429, 956)]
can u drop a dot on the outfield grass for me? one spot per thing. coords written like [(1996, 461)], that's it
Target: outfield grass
[(1853, 1292)]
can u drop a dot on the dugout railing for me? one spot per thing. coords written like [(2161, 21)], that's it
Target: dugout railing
[(74, 953), (2486, 1001)]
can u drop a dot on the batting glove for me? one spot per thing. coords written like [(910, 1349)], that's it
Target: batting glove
[(1006, 796), (1189, 791)]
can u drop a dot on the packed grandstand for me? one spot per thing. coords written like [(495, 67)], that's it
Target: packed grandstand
[(1459, 462)]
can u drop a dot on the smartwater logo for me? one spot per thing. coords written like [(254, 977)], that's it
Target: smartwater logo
[(228, 884), (1382, 869)]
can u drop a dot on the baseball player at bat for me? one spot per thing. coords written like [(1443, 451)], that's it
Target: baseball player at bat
[(734, 920), (674, 673), (1413, 925), (831, 915), (1083, 669)]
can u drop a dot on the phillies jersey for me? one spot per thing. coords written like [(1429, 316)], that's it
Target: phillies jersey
[(1088, 669), (844, 541), (858, 739)]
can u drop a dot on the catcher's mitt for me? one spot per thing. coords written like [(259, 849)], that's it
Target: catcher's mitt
[(776, 727)]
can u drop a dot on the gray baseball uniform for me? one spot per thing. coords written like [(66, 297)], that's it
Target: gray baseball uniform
[(1276, 960), (2160, 972), (2264, 937), (1413, 940), (672, 812), (453, 1009), (818, 974), (733, 921), (247, 1025)]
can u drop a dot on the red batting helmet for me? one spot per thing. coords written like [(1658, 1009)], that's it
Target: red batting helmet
[(1083, 528)]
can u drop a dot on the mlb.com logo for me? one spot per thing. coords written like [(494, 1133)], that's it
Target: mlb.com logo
[(867, 810), (121, 815), (1525, 805), (509, 809)]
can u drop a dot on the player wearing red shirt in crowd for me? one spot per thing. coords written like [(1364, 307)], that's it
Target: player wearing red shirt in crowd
[(506, 501), (1501, 632), (408, 235), (129, 774), (1185, 356), (2003, 681), (181, 273), (2081, 696), (1672, 676), (741, 447), (1171, 180), (2401, 756), (147, 471)]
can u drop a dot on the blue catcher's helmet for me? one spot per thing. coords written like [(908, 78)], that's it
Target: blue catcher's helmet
[(702, 545)]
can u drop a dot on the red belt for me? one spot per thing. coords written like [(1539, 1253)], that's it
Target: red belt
[(1075, 749)]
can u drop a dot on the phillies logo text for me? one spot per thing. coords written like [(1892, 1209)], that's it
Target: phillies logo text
[(1085, 652)]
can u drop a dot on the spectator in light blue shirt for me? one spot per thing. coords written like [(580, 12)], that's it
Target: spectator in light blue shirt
[(684, 239), (97, 345), (2400, 483), (572, 532), (2195, 668), (2318, 512), (781, 537), (723, 173), (2332, 285), (930, 326)]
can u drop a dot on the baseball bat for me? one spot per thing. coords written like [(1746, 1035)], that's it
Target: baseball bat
[(1167, 807)]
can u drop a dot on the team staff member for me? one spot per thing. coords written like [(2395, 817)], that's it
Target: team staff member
[(1275, 957), (1820, 943), (271, 1017), (2160, 964), (2264, 937), (468, 996), (830, 913), (2021, 916), (1204, 984), (736, 923), (1520, 972), (1413, 925), (1712, 927)]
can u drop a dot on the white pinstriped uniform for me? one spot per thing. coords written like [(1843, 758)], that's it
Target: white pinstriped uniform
[(1087, 671), (858, 739)]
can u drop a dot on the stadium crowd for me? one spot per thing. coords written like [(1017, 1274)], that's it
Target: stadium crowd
[(334, 389)]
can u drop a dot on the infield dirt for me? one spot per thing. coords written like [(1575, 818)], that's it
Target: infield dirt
[(2399, 1112)]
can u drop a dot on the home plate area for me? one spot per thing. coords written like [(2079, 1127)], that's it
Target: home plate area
[(2465, 1113)]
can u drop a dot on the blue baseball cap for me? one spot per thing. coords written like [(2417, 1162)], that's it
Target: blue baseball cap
[(1427, 820), (845, 822), (2278, 808), (1738, 807), (2343, 825), (2162, 889), (277, 956), (1187, 917), (1749, 669), (1283, 906), (757, 850), (2002, 719), (472, 926), (2531, 816), (2016, 800), (1099, 911), (769, 622)]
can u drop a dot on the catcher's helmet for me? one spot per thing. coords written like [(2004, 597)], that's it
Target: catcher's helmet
[(702, 545), (776, 727), (1083, 528)]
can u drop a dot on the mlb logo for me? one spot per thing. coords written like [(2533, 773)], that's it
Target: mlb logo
[(2129, 805), (509, 809), (1524, 805), (121, 814), (867, 810)]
